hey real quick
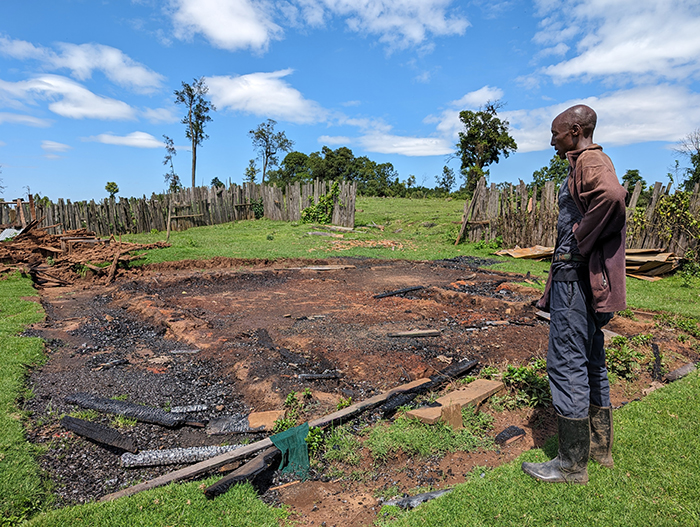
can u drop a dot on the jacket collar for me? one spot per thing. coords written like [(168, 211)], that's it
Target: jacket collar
[(573, 156)]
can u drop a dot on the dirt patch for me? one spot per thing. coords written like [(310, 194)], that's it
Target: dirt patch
[(235, 335)]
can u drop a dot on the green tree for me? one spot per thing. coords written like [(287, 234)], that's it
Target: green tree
[(294, 168), (446, 181), (268, 143), (556, 171), (171, 178), (689, 147), (198, 108), (485, 138), (112, 188), (251, 172), (632, 177), (217, 183)]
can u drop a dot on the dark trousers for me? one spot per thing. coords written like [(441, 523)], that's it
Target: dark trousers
[(576, 355)]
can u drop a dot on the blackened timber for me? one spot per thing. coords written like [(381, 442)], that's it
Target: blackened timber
[(246, 472), (146, 414), (99, 433), (399, 291), (450, 373)]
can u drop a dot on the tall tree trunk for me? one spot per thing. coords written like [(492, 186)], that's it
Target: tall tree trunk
[(194, 160), (264, 169)]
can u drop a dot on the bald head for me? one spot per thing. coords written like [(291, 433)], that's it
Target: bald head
[(582, 115), (573, 129)]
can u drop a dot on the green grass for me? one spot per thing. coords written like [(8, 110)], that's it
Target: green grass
[(656, 479), (416, 438), (23, 492), (178, 504)]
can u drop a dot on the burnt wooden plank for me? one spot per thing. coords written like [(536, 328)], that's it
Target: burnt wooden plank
[(101, 434), (246, 472)]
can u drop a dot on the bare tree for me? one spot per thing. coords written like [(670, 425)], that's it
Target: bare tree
[(198, 108), (171, 178), (689, 147), (268, 143)]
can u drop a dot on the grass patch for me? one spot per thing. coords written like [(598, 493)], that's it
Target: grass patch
[(178, 504), (656, 479), (343, 446), (23, 491), (414, 437)]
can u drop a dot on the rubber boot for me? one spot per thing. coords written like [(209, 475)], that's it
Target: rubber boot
[(571, 465), (601, 435)]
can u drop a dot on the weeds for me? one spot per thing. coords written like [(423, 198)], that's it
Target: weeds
[(530, 383), (314, 440), (342, 446), (627, 313), (488, 372), (687, 324), (622, 360), (294, 410), (85, 415), (344, 403), (119, 421)]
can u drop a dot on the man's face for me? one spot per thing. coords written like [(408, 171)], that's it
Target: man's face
[(562, 137)]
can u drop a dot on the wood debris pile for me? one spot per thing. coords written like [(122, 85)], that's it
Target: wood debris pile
[(644, 264), (60, 259)]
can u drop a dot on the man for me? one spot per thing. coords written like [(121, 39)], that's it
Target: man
[(586, 285)]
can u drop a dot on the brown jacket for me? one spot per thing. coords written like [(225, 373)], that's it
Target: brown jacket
[(601, 232)]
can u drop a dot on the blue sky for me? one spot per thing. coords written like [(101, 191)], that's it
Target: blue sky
[(86, 86)]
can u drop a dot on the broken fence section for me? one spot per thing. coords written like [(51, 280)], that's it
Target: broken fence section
[(525, 217), (180, 210)]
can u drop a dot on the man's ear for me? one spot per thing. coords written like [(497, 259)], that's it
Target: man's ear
[(576, 129)]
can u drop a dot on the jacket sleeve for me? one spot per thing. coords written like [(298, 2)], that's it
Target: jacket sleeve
[(603, 200)]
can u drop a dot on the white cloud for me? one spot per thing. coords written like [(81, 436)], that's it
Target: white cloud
[(264, 95), (637, 115), (23, 119), (83, 59), (250, 24), (53, 146), (69, 99), (478, 98), (398, 23), (407, 146), (227, 24), (335, 140), (628, 40), (448, 124), (134, 139)]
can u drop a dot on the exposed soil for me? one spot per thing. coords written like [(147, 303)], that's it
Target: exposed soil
[(235, 334)]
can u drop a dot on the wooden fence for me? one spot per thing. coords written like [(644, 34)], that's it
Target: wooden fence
[(186, 208), (524, 219)]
